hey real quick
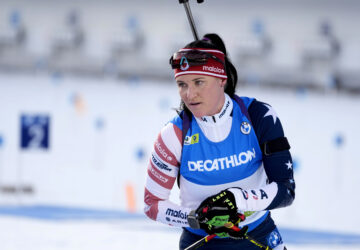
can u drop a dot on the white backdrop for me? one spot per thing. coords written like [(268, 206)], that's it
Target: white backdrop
[(102, 132)]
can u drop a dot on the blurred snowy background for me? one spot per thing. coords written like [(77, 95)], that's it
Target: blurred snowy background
[(85, 87)]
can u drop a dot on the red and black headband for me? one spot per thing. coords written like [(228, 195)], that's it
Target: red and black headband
[(199, 61)]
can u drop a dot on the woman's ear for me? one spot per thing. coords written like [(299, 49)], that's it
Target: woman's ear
[(223, 82)]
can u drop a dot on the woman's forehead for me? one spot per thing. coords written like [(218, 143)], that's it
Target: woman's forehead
[(194, 77)]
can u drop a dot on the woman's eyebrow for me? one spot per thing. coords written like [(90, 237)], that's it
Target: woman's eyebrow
[(199, 78)]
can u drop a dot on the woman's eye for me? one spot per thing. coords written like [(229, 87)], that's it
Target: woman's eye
[(181, 84), (198, 82)]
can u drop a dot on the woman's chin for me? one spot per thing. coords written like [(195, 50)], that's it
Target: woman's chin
[(196, 111), (198, 114)]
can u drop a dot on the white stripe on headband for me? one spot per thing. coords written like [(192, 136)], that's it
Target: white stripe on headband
[(200, 73), (203, 50)]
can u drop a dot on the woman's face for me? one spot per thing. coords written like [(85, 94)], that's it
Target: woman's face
[(202, 95)]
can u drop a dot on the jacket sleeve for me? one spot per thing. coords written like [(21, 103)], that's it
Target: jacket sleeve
[(280, 188), (161, 175)]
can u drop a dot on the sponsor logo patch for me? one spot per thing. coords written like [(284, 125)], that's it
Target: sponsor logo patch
[(158, 176), (184, 65), (191, 139), (245, 128), (162, 151), (160, 164), (224, 111), (214, 69), (222, 163), (274, 239), (176, 213)]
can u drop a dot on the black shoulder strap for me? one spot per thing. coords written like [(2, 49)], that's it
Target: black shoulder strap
[(186, 121), (242, 106)]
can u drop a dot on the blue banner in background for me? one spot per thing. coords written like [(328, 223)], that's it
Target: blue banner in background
[(34, 131)]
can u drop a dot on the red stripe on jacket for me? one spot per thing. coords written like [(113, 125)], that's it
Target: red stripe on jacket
[(178, 133), (152, 201), (159, 177), (165, 154)]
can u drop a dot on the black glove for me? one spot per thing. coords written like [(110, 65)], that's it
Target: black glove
[(214, 212), (221, 204)]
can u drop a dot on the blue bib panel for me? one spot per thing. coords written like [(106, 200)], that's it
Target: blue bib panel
[(212, 163)]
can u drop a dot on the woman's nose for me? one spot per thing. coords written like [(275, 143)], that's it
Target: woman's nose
[(191, 92)]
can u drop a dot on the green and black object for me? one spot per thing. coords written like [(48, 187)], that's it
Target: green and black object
[(194, 223)]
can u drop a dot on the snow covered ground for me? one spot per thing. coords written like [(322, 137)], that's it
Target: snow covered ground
[(41, 228), (127, 234)]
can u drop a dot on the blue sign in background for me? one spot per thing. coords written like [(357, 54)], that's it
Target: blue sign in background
[(34, 131)]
